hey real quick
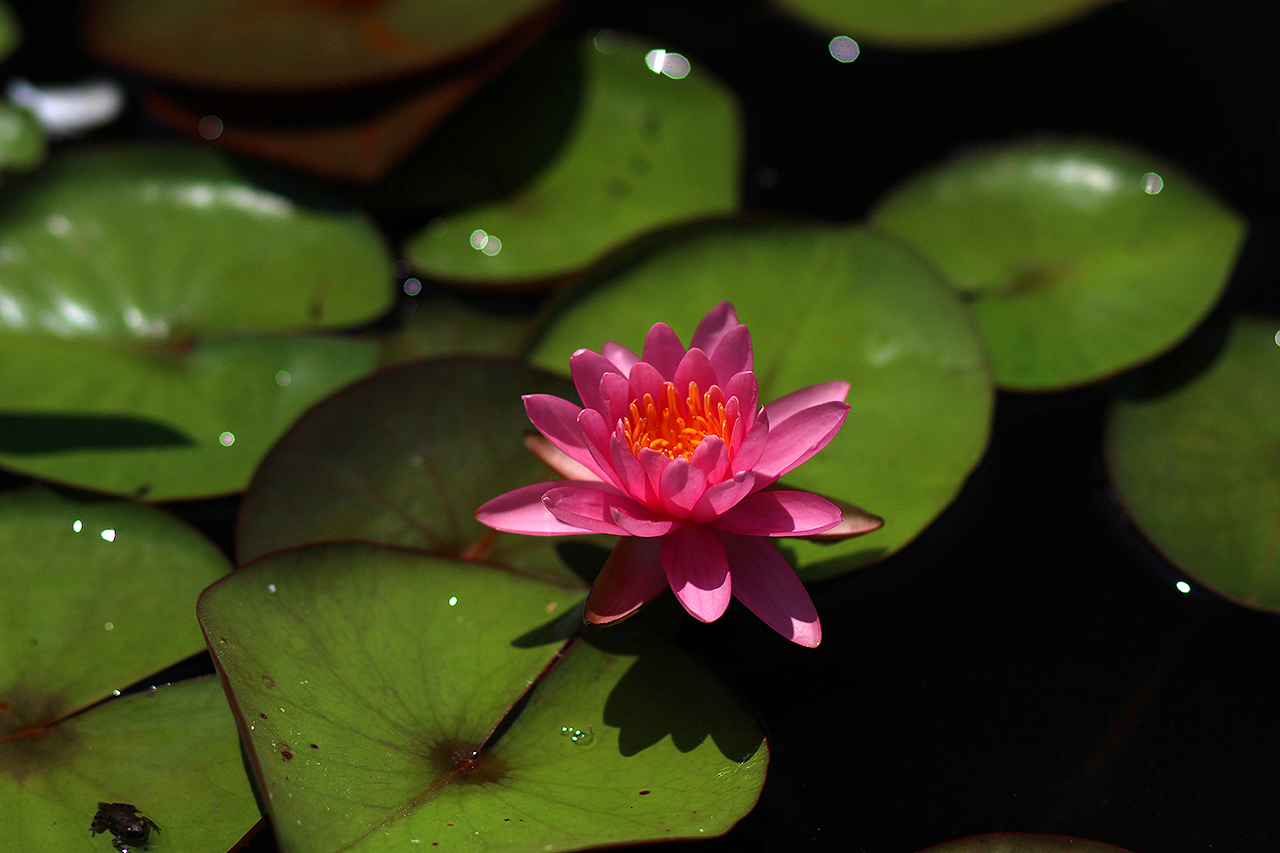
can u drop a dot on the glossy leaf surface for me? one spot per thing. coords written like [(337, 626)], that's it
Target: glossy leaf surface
[(366, 678), (926, 24), (646, 150), (1198, 468), (173, 752), (406, 457), (823, 303), (97, 595), (134, 284), (281, 45), (1079, 259), (1023, 842)]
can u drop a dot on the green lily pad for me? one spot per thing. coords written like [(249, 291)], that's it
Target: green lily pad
[(822, 303), (1198, 468), (375, 687), (143, 293), (173, 752), (281, 45), (442, 325), (646, 150), (405, 458), (22, 140), (98, 595), (929, 24), (1023, 842), (1080, 259)]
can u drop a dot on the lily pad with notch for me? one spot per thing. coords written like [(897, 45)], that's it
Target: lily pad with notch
[(98, 595), (1198, 468), (152, 294), (646, 150), (1080, 259), (385, 700)]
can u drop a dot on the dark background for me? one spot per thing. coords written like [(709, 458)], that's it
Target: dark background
[(1027, 664)]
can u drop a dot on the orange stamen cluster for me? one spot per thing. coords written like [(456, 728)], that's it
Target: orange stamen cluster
[(675, 426)]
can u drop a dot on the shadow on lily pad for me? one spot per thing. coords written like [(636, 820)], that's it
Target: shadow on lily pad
[(27, 432)]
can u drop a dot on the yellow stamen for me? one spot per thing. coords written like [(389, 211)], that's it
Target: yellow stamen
[(676, 426)]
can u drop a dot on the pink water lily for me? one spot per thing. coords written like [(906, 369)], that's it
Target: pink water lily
[(673, 453)]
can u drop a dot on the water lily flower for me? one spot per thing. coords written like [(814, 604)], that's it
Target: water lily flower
[(673, 453)]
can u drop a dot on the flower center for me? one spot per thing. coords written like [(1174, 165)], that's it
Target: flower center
[(675, 426)]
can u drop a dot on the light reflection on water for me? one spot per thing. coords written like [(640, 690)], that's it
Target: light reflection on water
[(844, 49), (484, 242), (665, 62), (1152, 183)]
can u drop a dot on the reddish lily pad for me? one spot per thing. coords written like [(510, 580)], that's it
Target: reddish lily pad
[(1080, 259), (823, 303), (405, 457), (144, 293), (928, 24), (296, 44), (1198, 468), (1023, 842), (370, 684), (646, 150), (96, 596)]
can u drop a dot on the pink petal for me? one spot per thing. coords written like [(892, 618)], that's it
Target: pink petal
[(752, 446), (797, 439), (622, 357), (631, 473), (630, 579), (654, 463), (681, 486), (663, 350), (615, 391), (746, 388), (645, 379), (592, 506), (719, 320), (712, 458), (557, 419), (597, 434), (814, 395), (646, 527), (718, 499), (768, 586), (694, 367), (587, 368), (779, 513), (732, 354), (522, 511), (556, 459), (698, 570)]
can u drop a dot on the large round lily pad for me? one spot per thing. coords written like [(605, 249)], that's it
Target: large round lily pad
[(823, 303), (137, 289), (929, 24), (379, 695), (405, 458), (94, 597), (1080, 259), (283, 44), (647, 149), (1198, 468)]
